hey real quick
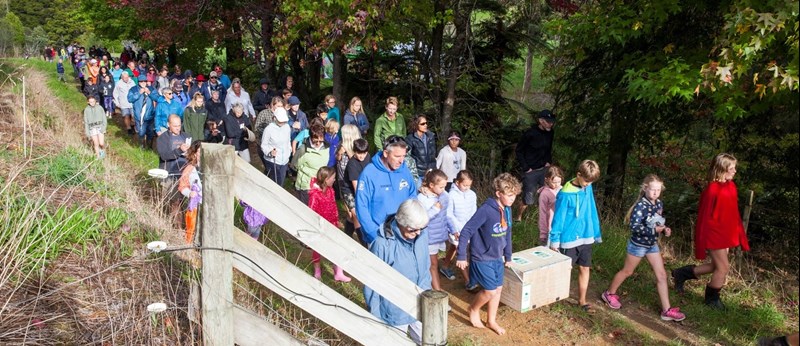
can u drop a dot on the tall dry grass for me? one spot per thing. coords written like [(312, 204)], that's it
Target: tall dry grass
[(72, 268)]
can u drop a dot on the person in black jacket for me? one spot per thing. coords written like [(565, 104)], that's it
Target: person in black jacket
[(91, 89), (534, 154), (237, 128), (263, 96), (216, 108), (422, 145), (172, 147)]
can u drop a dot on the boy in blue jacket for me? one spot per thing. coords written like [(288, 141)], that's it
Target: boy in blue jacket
[(576, 225), (489, 236)]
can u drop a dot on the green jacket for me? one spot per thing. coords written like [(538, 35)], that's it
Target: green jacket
[(309, 163), (385, 128), (194, 122), (94, 117)]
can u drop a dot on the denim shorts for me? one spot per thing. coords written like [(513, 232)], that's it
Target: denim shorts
[(641, 251)]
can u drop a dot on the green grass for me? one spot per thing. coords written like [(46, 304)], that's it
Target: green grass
[(69, 167), (36, 236), (751, 305), (120, 144)]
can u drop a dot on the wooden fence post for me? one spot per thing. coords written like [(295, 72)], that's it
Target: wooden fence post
[(217, 162), (433, 308)]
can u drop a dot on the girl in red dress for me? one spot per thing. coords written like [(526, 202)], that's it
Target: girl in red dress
[(719, 228), (321, 200)]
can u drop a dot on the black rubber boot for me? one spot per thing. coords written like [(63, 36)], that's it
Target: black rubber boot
[(682, 274), (712, 298)]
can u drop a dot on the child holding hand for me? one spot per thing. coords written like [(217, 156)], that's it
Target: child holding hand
[(463, 204), (646, 222), (436, 202), (488, 233)]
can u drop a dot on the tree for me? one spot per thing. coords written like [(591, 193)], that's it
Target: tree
[(623, 69), (35, 40), (17, 30)]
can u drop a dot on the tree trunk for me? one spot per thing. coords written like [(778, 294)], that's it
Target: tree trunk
[(461, 22), (620, 144), (526, 83), (296, 55), (416, 82), (172, 54), (267, 31), (314, 72), (437, 36), (340, 79), (233, 50)]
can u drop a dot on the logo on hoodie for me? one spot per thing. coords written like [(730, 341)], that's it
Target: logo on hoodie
[(499, 230), (403, 184)]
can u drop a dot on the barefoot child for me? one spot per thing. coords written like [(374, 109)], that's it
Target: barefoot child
[(321, 199), (95, 124), (547, 201), (489, 235), (718, 228), (190, 187), (463, 204), (436, 201), (576, 225), (646, 222)]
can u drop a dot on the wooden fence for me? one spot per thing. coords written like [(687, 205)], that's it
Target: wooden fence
[(226, 176)]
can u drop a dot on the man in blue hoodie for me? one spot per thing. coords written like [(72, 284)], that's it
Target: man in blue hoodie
[(382, 186)]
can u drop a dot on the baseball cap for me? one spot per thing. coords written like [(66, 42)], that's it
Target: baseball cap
[(201, 78), (213, 74), (547, 115), (294, 101), (280, 115)]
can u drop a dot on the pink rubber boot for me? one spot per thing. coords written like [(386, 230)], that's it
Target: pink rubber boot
[(338, 274), (317, 271)]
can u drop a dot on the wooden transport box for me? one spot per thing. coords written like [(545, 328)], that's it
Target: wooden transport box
[(537, 277)]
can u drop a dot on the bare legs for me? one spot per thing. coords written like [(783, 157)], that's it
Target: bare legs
[(583, 283), (657, 263), (435, 272), (98, 144), (522, 208), (718, 268), (492, 297), (631, 262)]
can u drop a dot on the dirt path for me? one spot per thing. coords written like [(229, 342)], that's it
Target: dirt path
[(563, 323)]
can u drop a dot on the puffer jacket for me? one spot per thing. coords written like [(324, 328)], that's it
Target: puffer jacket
[(423, 152)]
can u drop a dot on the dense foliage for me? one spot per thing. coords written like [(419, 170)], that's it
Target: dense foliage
[(645, 86)]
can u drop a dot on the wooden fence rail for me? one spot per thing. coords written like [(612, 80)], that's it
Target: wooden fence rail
[(225, 176)]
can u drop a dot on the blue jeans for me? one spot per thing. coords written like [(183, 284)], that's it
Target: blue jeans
[(145, 128), (641, 251)]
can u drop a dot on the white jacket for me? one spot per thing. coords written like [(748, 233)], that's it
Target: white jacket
[(451, 162), (244, 99), (121, 93), (277, 137)]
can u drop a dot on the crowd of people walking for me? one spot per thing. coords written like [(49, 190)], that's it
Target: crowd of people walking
[(411, 202)]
